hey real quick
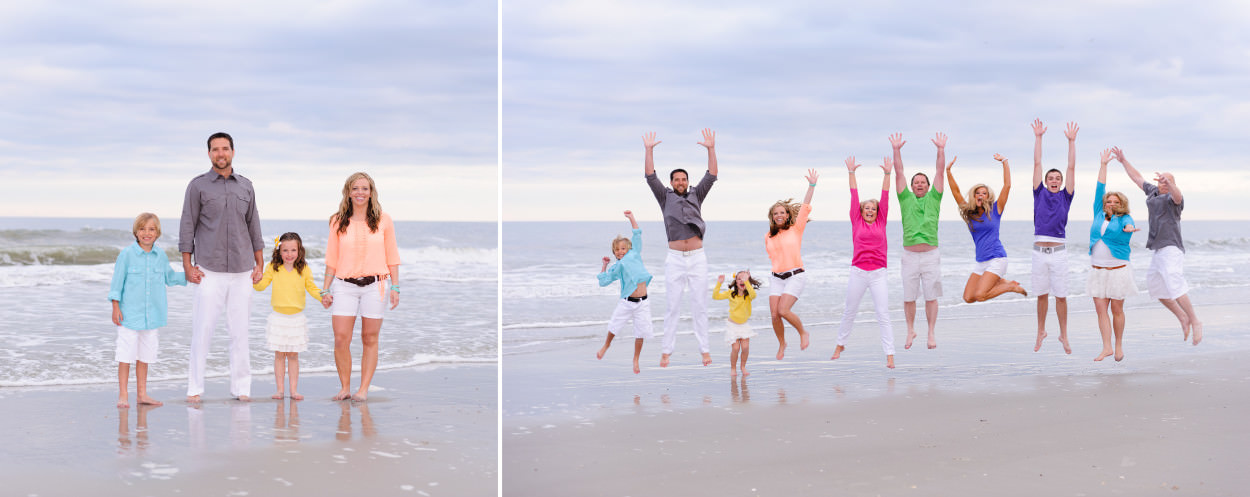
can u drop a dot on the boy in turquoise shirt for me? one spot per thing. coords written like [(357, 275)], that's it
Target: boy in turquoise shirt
[(634, 280)]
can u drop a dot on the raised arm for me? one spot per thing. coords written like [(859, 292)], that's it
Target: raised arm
[(897, 142), (1170, 181), (1070, 182), (1103, 159), (709, 142), (1038, 130), (649, 141), (633, 223), (811, 185), (1002, 197), (1128, 168), (851, 166), (950, 178), (887, 165), (940, 142)]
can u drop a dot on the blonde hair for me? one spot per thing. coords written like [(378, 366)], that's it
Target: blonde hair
[(970, 210), (374, 214), (791, 207), (865, 204), (619, 239), (1121, 211), (141, 220)]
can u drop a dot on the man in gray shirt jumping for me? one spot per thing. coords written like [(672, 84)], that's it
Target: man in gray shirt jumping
[(685, 267), (221, 228)]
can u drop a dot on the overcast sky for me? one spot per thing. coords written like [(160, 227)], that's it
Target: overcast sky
[(791, 85), (105, 106)]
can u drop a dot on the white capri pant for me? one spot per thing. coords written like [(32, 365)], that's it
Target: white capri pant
[(922, 275), (367, 301), (1050, 273), (875, 282), (792, 285), (1166, 277), (640, 312), (685, 271)]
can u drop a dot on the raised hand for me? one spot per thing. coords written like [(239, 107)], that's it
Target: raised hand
[(1105, 156), (952, 164), (720, 279), (896, 141), (939, 140), (629, 214), (648, 140), (1038, 128), (887, 165), (811, 177), (1161, 180), (606, 261), (1118, 154), (1131, 229), (851, 166), (709, 139), (1071, 131), (1000, 158)]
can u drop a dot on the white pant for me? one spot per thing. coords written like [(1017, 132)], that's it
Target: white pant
[(682, 271), (1166, 277), (874, 281), (1050, 273), (233, 293)]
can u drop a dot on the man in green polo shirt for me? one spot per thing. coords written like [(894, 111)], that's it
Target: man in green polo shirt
[(919, 206)]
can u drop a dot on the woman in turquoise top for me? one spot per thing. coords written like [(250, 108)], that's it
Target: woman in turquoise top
[(1111, 279)]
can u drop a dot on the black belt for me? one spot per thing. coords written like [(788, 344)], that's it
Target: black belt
[(788, 274), (361, 281), (636, 299)]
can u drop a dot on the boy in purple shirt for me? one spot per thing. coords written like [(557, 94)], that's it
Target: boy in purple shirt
[(1052, 197)]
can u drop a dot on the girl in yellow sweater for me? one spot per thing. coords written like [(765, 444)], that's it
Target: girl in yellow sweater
[(737, 332), (286, 331)]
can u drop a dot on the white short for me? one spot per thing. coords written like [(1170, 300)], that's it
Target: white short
[(1115, 284), (1166, 277), (997, 265), (1050, 273), (367, 301), (735, 331), (922, 275), (792, 285), (136, 345), (640, 312)]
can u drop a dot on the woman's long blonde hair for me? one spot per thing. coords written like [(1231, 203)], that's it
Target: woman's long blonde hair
[(1123, 210), (970, 210), (792, 207), (344, 215)]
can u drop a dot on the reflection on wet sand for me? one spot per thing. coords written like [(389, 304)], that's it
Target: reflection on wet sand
[(367, 429), (126, 446)]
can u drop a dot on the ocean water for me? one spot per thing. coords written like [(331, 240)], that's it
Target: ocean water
[(551, 296), (55, 275)]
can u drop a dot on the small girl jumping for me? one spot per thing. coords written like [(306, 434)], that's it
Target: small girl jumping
[(286, 330), (737, 332)]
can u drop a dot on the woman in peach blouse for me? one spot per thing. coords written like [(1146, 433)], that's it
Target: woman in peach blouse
[(784, 243), (362, 271)]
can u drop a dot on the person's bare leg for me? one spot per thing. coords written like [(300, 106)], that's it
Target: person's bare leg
[(606, 343), (123, 384), (279, 374), (1061, 311), (1042, 301), (779, 328), (970, 288), (141, 385), (733, 357), (746, 351), (1171, 305), (1194, 323), (1117, 324), (909, 314), (292, 368), (370, 329), (889, 361), (930, 315), (1104, 327), (343, 326), (637, 353), (992, 285), (837, 352), (786, 303)]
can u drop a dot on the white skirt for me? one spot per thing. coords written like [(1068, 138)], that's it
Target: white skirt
[(1116, 284), (734, 331), (286, 332)]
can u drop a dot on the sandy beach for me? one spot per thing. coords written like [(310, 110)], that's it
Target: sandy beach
[(426, 431), (980, 415)]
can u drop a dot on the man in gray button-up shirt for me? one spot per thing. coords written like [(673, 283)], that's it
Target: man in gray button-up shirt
[(685, 267), (221, 229)]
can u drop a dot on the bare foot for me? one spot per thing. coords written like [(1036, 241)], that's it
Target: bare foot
[(664, 360), (1015, 287), (636, 368), (600, 354), (889, 361), (837, 352), (707, 358), (1103, 355), (360, 397), (296, 396), (278, 396), (733, 372), (805, 339), (1063, 338), (1197, 325), (911, 335), (193, 399), (932, 341), (122, 403), (744, 372), (342, 395), (1185, 330), (1041, 335), (781, 351), (1119, 355), (144, 400), (244, 398)]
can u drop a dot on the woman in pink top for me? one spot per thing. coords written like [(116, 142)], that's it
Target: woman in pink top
[(868, 262), (361, 256), (786, 221)]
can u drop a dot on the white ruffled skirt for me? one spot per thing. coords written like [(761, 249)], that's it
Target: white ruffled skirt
[(286, 332), (1115, 284), (734, 331)]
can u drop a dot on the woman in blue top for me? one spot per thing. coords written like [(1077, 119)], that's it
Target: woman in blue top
[(1111, 280), (982, 213)]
